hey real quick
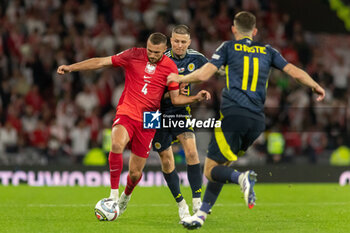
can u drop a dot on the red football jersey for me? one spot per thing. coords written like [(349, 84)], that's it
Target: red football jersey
[(144, 82)]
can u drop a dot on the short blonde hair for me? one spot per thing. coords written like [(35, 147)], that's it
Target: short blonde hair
[(181, 29)]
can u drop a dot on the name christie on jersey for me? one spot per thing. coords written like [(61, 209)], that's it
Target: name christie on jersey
[(186, 123)]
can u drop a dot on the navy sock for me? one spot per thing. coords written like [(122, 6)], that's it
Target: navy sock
[(195, 178), (225, 174), (173, 182), (211, 194)]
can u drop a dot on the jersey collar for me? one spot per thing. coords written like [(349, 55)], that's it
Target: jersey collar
[(246, 37), (173, 55)]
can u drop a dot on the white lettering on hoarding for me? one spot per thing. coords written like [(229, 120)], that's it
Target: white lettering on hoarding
[(79, 178), (33, 181), (76, 177), (93, 178), (18, 176), (5, 177), (56, 178), (96, 178)]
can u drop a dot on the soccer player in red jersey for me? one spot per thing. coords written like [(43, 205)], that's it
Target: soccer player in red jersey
[(146, 71)]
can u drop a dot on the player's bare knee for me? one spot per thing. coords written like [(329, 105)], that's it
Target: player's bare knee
[(167, 166), (117, 147), (134, 175), (192, 157)]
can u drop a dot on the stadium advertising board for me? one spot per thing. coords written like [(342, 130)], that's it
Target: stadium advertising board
[(100, 177), (79, 178)]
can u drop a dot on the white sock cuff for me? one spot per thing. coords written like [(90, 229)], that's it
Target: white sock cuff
[(182, 203), (114, 193)]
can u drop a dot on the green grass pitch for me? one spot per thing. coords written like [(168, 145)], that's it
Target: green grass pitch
[(280, 208)]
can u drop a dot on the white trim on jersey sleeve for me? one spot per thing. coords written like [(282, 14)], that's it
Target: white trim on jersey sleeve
[(222, 44), (168, 54), (194, 52)]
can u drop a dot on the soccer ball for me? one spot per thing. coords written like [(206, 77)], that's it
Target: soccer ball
[(106, 210)]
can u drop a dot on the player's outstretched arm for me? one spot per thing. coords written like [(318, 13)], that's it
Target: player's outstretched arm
[(200, 75), (302, 77), (89, 64), (178, 100)]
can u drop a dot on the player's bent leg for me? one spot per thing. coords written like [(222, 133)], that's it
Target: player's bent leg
[(136, 165), (188, 142), (220, 172), (173, 181), (120, 138)]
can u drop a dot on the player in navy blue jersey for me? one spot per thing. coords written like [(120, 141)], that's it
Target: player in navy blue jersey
[(187, 60), (247, 66)]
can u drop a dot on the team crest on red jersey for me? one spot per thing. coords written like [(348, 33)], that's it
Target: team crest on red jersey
[(150, 68)]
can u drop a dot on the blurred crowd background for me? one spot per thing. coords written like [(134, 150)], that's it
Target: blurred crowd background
[(46, 118)]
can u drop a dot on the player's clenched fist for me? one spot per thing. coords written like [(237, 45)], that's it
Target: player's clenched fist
[(320, 92), (203, 95), (63, 69)]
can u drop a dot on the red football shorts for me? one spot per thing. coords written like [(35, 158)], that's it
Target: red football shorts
[(140, 139)]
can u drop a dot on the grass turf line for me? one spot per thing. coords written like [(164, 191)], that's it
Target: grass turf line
[(280, 208)]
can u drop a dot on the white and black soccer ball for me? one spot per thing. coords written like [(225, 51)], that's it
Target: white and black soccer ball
[(106, 210)]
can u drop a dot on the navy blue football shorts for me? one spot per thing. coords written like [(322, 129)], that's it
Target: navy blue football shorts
[(233, 138), (164, 137)]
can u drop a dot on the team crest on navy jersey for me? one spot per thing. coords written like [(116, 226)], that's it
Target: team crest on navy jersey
[(150, 68), (157, 145), (191, 67)]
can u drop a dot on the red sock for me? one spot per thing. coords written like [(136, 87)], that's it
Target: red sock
[(115, 168), (130, 185)]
